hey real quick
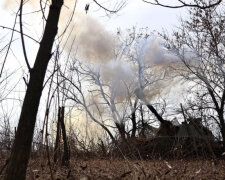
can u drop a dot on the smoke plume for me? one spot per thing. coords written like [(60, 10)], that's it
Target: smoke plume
[(120, 77), (94, 43), (155, 53)]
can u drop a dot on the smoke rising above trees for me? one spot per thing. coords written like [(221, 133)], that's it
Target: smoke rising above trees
[(93, 42)]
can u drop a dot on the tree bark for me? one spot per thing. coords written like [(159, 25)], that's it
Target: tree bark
[(65, 159), (57, 139), (133, 119), (122, 132), (134, 123), (22, 145), (220, 112), (222, 124)]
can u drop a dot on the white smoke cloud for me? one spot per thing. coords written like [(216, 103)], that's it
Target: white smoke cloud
[(149, 52), (95, 44), (120, 76), (155, 53)]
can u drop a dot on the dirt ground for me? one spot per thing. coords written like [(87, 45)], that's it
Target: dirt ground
[(86, 169)]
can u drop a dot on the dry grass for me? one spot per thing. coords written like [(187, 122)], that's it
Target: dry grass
[(85, 169), (97, 168)]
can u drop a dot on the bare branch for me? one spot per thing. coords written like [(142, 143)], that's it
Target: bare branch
[(184, 4), (22, 38), (10, 42), (121, 5), (12, 29)]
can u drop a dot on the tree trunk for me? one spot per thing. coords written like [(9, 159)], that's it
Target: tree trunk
[(133, 119), (220, 112), (142, 133), (222, 124), (65, 159), (57, 139), (134, 123), (122, 132), (22, 145)]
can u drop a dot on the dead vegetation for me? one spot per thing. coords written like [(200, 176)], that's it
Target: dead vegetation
[(97, 168), (157, 158)]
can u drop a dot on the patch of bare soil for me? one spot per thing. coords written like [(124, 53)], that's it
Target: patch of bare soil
[(85, 169)]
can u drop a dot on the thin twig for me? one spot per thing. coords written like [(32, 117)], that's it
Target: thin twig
[(108, 10), (12, 29), (10, 42)]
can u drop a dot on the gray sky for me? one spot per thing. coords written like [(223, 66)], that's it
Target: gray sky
[(141, 14), (136, 12)]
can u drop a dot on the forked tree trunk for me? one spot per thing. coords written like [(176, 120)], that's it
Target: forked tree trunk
[(22, 145)]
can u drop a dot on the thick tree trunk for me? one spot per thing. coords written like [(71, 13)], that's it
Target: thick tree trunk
[(65, 159), (22, 145)]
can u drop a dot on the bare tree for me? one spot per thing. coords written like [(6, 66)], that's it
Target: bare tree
[(199, 45), (74, 91), (146, 60), (22, 145), (111, 86)]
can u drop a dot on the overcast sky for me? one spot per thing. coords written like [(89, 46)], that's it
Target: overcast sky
[(141, 14), (136, 12)]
